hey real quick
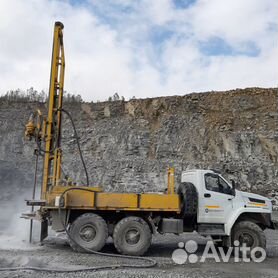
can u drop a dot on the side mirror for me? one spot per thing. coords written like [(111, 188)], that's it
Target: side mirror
[(234, 187)]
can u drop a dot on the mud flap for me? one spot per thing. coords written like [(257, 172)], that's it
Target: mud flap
[(44, 229)]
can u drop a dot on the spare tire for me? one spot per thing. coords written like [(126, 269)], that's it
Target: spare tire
[(189, 199)]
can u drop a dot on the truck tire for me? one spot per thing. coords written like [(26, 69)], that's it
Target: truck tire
[(132, 236), (189, 199), (89, 231), (249, 233)]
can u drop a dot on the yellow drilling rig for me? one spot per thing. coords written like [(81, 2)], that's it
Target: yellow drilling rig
[(91, 213), (204, 201)]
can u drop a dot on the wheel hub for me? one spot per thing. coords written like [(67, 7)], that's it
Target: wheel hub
[(87, 233), (132, 236), (246, 238)]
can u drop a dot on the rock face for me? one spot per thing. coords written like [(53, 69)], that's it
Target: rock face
[(129, 145)]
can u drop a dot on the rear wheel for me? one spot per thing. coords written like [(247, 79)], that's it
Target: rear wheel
[(132, 236), (89, 231)]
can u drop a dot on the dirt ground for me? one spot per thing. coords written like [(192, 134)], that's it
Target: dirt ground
[(55, 253)]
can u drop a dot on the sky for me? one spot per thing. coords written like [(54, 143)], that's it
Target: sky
[(141, 48)]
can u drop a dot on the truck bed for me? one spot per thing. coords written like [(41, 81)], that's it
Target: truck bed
[(95, 199)]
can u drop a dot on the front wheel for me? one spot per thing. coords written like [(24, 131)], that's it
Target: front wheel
[(249, 234)]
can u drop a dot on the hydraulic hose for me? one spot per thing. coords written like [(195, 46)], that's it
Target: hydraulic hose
[(78, 144), (39, 269), (41, 150)]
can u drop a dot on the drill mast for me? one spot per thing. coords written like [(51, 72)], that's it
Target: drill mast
[(52, 124)]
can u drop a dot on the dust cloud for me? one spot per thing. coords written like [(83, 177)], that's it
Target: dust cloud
[(14, 230)]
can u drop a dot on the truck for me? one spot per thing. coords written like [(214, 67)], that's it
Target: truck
[(204, 201)]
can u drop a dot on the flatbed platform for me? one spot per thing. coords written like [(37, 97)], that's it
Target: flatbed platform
[(95, 199)]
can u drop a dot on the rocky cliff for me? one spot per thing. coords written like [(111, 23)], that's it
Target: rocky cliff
[(129, 145)]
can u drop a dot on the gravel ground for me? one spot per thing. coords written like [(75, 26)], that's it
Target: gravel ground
[(55, 253)]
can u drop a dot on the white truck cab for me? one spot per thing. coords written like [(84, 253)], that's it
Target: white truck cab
[(221, 207)]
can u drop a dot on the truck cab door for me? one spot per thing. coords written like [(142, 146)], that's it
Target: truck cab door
[(216, 201)]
